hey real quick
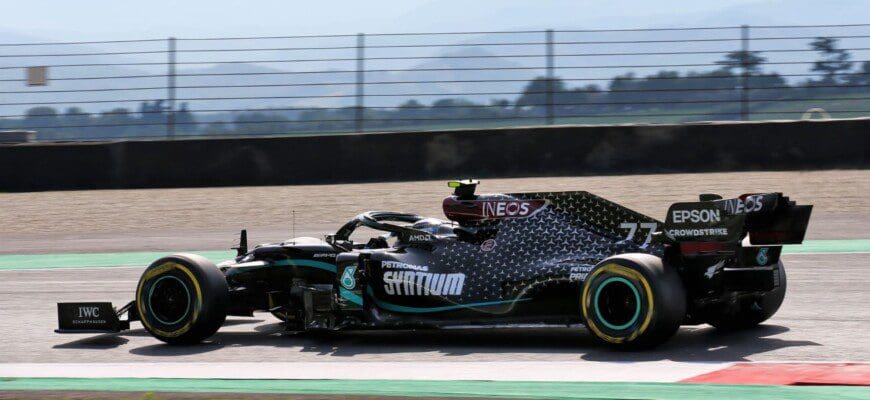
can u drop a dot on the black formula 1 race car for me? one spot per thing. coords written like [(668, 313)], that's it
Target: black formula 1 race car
[(558, 258)]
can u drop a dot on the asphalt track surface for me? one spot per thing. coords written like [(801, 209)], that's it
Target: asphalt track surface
[(824, 318)]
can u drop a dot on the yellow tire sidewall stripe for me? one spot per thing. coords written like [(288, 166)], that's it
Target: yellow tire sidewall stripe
[(626, 272), (159, 270)]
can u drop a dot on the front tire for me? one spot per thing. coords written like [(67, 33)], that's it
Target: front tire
[(182, 299), (633, 301), (752, 311)]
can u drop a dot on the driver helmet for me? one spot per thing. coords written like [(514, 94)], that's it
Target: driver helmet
[(434, 226)]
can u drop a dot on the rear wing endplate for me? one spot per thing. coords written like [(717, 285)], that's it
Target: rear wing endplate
[(768, 219)]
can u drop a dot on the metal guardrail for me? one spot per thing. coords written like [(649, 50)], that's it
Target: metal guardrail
[(239, 86)]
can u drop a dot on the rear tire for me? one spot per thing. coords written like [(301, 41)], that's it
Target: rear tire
[(182, 299), (633, 301), (751, 312)]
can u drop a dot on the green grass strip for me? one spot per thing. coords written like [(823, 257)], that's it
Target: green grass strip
[(416, 388), (140, 259), (830, 246), (90, 260)]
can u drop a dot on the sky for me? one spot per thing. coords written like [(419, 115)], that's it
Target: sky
[(100, 19)]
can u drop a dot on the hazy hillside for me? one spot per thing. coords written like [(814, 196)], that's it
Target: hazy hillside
[(272, 87), (12, 74)]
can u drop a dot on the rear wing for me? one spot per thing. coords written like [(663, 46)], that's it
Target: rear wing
[(767, 218)]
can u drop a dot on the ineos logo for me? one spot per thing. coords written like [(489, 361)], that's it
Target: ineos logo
[(89, 312), (505, 209), (511, 208), (752, 203)]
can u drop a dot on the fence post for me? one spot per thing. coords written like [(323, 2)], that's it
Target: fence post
[(170, 88), (550, 77), (744, 77), (360, 82)]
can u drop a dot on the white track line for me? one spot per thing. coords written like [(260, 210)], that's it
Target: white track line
[(565, 371)]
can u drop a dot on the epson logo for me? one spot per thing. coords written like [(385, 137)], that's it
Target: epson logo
[(89, 312), (705, 215), (511, 208)]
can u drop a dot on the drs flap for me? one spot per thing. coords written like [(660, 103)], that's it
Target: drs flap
[(786, 227)]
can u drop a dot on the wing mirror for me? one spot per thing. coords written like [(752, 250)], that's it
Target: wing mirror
[(242, 248)]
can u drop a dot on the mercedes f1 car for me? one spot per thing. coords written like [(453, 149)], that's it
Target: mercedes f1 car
[(561, 258)]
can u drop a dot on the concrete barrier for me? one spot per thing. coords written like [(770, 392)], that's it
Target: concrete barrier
[(10, 137), (485, 153)]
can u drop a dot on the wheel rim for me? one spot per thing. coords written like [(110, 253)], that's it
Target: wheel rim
[(169, 300), (617, 303)]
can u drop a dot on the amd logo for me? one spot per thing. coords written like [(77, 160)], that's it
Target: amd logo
[(89, 312), (512, 208), (419, 237)]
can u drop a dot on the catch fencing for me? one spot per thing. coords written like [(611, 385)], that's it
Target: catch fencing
[(318, 84)]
